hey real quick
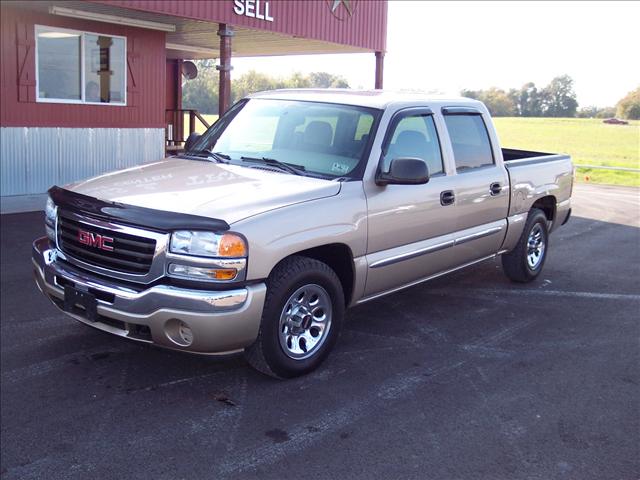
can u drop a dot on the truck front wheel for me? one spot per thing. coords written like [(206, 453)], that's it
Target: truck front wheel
[(524, 263), (301, 320)]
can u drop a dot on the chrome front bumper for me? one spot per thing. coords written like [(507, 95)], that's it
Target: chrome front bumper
[(221, 322)]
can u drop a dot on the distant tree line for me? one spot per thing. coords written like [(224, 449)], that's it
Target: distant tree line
[(558, 99), (201, 93)]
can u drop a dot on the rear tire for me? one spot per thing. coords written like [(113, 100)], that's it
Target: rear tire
[(524, 263), (301, 320)]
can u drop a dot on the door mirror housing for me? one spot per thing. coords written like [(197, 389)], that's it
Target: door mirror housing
[(193, 138), (405, 171)]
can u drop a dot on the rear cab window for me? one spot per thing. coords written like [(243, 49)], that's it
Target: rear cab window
[(469, 140)]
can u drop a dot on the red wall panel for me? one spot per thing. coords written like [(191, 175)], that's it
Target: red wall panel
[(145, 80)]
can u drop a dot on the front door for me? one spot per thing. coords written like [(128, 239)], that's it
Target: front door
[(410, 227)]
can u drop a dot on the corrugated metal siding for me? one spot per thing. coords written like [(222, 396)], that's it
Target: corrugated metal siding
[(34, 159), (366, 28), (149, 48)]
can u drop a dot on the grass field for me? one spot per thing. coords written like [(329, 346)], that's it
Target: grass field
[(588, 141)]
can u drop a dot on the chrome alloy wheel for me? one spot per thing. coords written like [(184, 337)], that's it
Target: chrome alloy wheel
[(305, 321), (535, 247)]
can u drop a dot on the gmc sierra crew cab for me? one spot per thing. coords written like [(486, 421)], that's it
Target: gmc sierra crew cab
[(293, 206)]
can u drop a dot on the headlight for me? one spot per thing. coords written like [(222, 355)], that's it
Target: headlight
[(50, 214), (208, 244)]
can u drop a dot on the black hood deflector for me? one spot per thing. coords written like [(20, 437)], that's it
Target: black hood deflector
[(132, 215)]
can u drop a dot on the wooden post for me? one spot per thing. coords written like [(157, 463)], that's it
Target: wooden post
[(192, 122), (379, 70), (224, 91), (178, 125)]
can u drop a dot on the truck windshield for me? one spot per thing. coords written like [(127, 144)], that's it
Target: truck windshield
[(317, 139)]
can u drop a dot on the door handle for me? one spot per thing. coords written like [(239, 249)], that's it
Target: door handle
[(495, 188), (447, 198)]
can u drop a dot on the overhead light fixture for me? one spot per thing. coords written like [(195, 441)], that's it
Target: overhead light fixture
[(101, 17), (193, 49), (57, 35)]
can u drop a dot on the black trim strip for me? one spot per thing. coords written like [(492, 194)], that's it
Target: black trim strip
[(461, 111), (132, 215), (409, 255)]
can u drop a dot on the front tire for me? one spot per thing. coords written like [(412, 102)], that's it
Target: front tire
[(301, 320), (524, 263)]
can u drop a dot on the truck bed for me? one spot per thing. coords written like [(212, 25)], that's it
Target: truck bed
[(522, 157), (534, 175)]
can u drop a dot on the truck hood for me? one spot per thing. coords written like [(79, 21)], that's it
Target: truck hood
[(228, 192)]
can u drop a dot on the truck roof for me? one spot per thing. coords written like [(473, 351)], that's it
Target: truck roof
[(379, 99)]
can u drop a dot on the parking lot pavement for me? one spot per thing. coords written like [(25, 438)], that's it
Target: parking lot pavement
[(466, 377)]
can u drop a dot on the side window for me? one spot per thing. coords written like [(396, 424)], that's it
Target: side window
[(415, 136), (470, 141)]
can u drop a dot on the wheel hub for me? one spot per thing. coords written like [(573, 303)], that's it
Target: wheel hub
[(299, 320), (305, 321), (535, 247)]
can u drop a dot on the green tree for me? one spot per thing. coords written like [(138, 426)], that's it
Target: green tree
[(297, 80), (596, 112), (252, 82), (629, 106), (326, 80), (559, 99), (528, 101), (499, 102), (201, 93), (475, 94), (606, 112)]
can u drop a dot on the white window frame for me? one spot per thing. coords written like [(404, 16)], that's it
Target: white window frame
[(82, 101)]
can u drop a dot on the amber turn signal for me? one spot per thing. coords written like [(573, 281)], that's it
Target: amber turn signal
[(232, 245)]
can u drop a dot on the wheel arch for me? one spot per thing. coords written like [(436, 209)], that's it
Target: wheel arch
[(339, 257), (548, 205)]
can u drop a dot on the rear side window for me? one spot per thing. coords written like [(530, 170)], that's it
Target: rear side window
[(415, 136), (470, 141)]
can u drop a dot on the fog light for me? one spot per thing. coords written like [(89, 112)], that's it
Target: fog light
[(179, 332), (186, 335), (188, 271)]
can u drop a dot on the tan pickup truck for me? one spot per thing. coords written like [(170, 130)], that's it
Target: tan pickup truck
[(293, 206)]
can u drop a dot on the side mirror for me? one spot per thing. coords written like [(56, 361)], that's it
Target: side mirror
[(405, 171), (193, 138)]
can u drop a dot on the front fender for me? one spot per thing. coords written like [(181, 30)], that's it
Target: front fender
[(277, 234)]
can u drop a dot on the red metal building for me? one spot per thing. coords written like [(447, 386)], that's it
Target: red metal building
[(91, 86)]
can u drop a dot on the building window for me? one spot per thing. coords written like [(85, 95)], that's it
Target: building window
[(80, 67)]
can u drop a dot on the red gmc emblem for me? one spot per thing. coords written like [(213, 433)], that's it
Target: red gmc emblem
[(95, 240)]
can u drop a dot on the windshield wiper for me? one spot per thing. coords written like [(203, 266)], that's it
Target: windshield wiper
[(217, 156), (287, 167)]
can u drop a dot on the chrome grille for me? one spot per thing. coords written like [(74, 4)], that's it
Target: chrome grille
[(131, 254)]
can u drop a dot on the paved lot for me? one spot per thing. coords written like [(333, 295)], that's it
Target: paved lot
[(468, 377)]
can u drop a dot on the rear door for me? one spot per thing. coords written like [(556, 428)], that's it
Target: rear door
[(481, 192)]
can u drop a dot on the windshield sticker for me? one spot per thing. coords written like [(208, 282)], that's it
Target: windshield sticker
[(339, 167)]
